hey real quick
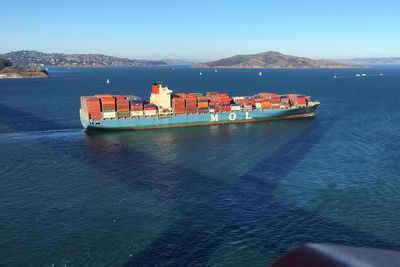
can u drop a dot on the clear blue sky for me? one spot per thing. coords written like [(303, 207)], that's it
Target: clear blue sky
[(203, 30)]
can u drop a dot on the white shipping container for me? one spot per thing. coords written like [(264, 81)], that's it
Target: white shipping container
[(137, 113), (109, 115), (211, 110), (235, 98), (258, 106), (235, 108), (247, 107), (150, 112)]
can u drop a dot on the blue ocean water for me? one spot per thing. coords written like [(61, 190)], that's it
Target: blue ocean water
[(230, 195)]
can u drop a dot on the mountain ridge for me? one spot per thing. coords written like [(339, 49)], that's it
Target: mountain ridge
[(271, 59), (34, 59)]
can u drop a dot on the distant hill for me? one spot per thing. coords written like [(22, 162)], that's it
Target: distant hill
[(34, 59), (371, 61), (7, 71), (15, 72), (270, 59)]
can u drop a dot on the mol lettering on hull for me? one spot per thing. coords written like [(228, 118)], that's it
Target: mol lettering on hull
[(232, 116)]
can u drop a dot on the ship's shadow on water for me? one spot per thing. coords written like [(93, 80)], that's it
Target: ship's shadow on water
[(217, 212)]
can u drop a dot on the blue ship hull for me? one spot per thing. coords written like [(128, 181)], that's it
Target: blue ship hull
[(197, 119)]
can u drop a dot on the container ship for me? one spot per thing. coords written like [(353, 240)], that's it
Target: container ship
[(165, 109)]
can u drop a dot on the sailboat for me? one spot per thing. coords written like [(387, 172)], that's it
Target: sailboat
[(216, 70), (108, 81), (260, 73), (201, 73)]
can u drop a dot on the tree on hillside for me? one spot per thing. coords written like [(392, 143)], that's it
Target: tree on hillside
[(5, 63)]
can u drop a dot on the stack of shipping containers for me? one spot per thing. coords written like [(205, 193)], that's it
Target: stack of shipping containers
[(122, 107), (297, 100), (136, 106), (202, 104), (240, 100), (266, 99), (91, 105), (258, 101), (150, 110), (178, 103), (285, 101), (107, 106), (224, 102), (213, 104), (191, 103), (275, 102)]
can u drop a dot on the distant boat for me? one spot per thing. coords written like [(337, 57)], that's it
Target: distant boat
[(364, 74), (381, 74), (260, 73), (358, 75), (173, 68), (216, 70), (108, 81), (201, 73), (334, 76)]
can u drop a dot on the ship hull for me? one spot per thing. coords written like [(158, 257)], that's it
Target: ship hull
[(197, 119)]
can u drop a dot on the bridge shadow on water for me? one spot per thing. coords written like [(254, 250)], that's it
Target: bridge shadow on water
[(217, 212), (22, 121)]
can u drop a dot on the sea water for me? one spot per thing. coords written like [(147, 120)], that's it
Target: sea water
[(228, 195)]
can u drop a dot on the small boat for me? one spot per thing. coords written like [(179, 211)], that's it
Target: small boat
[(334, 76), (201, 73), (358, 75), (363, 74), (260, 73), (173, 68), (216, 70), (381, 74), (108, 81)]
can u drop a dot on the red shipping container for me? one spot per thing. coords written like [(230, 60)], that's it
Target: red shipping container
[(266, 95), (250, 101), (275, 99), (136, 108), (212, 93), (104, 96), (150, 107), (181, 95)]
